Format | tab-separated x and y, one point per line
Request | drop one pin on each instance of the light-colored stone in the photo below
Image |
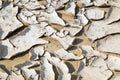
100	2
47	72
75	23
73	30
28	38
3	74
8	20
27	17
63	54
49	31
110	44
117	78
62	33
36	52
95	13
71	7
113	63
86	2
0	3
66	42
97	71
99	29
81	16
89	52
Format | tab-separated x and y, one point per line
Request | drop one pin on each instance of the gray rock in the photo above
110	44
100	2
8	20
95	13
99	29
63	54
113	63
117	78
86	2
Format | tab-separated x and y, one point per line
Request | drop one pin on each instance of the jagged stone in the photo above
8	20
110	44
86	2
101	2
49	31
66	42
99	29
36	52
95	13
113	63
0	3
63	54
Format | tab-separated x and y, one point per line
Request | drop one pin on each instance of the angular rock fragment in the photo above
47	72
8	20
113	63
71	7
73	30
62	33
15	76
49	31
100	2
36	52
95	14
3	74
86	2
98	67
29	74
117	78
0	3
89	52
75	23
99	29
27	17
81	16
51	17
110	44
66	42
28	38
63	54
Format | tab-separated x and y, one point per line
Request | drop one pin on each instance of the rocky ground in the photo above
59	39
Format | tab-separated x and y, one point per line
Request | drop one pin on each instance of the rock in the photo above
8	20
0	3
113	15
81	16
75	23
36	52
86	2
29	74
63	54
3	74
28	38
49	31
15	76
99	29
117	78
73	30
113	63
66	42
110	44
47	72
114	3
95	13
27	17
98	67
51	17
100	2
71	7
89	52
62	33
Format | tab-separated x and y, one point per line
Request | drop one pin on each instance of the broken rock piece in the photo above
3	74
66	42
117	78
0	3
36	52
110	44
86	2
63	54
99	29
101	2
113	63
8	20
28	38
95	14
47	72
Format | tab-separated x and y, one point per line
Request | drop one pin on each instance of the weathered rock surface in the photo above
110	44
95	14
8	20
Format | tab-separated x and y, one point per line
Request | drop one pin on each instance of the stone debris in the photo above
98	67
63	54
3	74
36	52
110	44
117	78
0	3
66	42
101	2
86	2
99	29
95	14
8	20
113	63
